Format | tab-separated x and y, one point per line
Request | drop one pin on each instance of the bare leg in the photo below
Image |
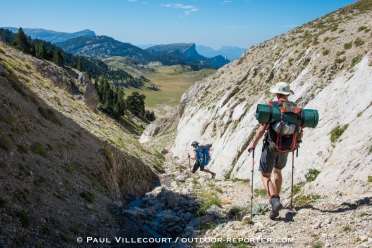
270	189
277	181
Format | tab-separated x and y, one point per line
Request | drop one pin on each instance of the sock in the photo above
274	196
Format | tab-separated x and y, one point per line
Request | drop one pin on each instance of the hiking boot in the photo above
276	206
213	175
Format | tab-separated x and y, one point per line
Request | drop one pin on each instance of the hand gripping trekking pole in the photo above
252	169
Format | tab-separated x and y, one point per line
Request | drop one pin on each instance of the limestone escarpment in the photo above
328	63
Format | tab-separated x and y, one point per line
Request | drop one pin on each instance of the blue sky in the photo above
212	23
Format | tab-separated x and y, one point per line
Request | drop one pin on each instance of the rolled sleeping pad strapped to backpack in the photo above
309	117
266	113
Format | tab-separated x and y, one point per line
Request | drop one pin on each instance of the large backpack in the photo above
203	154
285	134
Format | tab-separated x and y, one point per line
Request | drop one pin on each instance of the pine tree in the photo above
136	103
41	51
150	115
20	42
79	66
49	54
58	58
32	50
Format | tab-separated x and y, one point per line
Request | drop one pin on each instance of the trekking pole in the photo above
252	169
292	176
189	161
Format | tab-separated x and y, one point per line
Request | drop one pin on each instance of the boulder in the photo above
87	88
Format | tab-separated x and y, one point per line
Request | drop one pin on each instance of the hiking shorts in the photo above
270	158
196	167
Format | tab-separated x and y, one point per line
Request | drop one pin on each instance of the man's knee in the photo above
266	175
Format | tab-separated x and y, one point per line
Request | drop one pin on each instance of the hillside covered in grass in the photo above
66	168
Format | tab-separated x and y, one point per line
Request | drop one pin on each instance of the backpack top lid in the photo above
205	146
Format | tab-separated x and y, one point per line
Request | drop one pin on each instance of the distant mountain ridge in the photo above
103	47
170	54
231	52
187	50
87	43
50	35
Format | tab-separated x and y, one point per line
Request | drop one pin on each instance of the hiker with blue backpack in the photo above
201	156
281	137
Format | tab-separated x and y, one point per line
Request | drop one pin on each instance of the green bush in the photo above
290	60
325	52
24	218
208	198
37	148
346	228
260	192
311	175
297	188
45	229
11	120
4	142
89	197
356	60
304	201
348	45
337	132
358	42
241	180
361	28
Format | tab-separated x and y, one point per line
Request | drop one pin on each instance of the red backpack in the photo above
286	134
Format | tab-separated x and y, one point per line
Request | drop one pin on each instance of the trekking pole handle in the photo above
252	159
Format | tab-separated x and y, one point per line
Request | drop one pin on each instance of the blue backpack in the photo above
202	152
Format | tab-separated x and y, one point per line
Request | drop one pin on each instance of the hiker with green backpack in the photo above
281	137
201	155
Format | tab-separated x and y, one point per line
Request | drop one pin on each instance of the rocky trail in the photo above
196	211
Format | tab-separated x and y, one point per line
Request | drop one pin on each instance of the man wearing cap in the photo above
197	164
271	159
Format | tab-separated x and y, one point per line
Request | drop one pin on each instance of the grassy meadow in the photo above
172	82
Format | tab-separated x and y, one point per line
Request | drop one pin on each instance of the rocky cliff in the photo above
328	63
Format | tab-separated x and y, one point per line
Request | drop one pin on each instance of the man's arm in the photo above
257	137
193	155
